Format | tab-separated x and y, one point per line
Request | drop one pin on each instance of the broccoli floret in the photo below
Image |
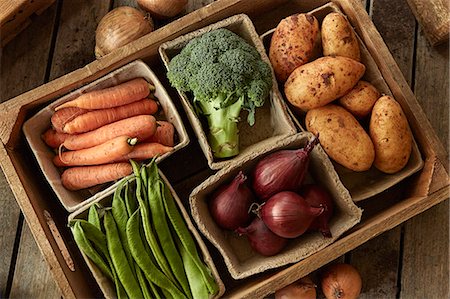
225	74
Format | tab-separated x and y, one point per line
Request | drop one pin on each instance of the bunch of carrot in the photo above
97	133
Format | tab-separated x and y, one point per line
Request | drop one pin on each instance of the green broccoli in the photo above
224	74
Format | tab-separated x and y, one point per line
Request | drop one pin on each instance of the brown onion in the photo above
282	171
119	27
341	281
288	214
163	9
261	239
304	288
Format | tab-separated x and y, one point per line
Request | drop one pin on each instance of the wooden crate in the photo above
15	15
407	199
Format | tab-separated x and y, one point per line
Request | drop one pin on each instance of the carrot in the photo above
82	177
100	154
53	139
63	116
125	93
144	151
141	127
164	134
96	118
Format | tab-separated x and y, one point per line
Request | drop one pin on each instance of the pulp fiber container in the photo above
106	285
240	259
361	185
272	121
39	123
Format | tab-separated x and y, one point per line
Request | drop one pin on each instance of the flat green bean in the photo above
155	190
93	216
147	224
130	202
187	241
119	259
143	283
143	260
85	246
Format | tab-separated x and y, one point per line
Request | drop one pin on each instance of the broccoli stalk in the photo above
225	75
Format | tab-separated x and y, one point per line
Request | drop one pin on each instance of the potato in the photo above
341	136
321	81
293	44
391	135
338	37
360	100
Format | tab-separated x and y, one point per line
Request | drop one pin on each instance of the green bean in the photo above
162	229
85	246
119	258
130	202
187	241
143	283
143	260
148	231
198	287
93	216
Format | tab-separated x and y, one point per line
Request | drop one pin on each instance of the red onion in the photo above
230	204
261	239
282	171
288	214
317	196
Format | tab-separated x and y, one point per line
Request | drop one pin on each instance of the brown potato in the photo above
321	81
360	100
391	135
338	37
341	136
293	44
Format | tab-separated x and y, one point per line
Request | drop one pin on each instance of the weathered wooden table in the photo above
410	261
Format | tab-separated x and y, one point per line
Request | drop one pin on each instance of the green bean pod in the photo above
143	283
93	217
85	246
143	260
187	241
119	259
155	190
148	231
130	202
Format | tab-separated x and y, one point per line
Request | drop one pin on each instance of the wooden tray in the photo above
381	213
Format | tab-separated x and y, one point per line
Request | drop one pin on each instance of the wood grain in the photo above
32	278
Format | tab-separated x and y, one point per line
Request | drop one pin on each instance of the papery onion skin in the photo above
341	281
317	196
119	27
304	288
163	9
287	214
284	170
261	239
230	204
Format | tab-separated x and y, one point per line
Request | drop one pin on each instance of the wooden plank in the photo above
426	247
75	41
378	259
434	17
32	277
9	213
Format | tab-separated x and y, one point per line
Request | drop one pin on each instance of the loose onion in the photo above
317	196
341	281
304	288
163	9
119	27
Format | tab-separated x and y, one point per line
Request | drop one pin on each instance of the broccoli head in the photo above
225	74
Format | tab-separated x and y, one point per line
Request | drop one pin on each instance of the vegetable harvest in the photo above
224	74
142	244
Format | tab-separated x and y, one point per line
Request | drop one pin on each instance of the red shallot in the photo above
287	214
317	196
282	171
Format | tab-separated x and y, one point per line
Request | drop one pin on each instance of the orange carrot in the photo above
141	127
96	118
53	139
125	93
144	151
99	154
63	116
82	177
164	134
